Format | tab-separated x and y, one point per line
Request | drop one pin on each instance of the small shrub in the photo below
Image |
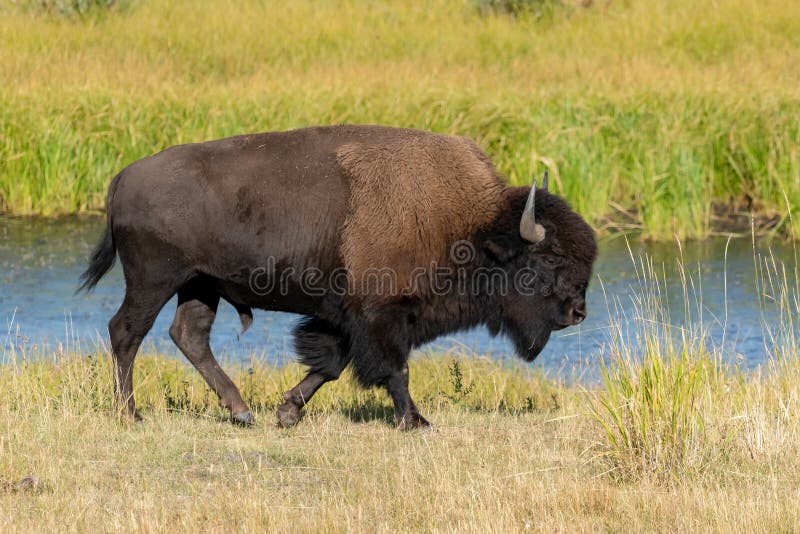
73	8
460	390
537	9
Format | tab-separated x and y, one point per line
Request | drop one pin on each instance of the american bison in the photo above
382	238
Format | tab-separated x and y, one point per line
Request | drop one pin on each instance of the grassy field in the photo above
670	117
512	451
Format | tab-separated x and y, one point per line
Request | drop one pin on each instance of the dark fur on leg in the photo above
321	347
388	367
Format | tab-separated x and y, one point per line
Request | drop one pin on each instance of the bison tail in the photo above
104	254
101	262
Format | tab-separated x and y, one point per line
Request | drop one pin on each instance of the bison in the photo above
381	238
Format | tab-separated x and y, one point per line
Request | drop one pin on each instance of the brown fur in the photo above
412	196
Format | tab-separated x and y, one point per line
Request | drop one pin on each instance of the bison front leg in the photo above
378	360
406	413
289	412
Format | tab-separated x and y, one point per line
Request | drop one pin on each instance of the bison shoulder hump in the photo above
411	196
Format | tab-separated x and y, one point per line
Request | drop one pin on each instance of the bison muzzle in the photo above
382	238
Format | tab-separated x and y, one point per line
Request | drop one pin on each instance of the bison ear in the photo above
500	250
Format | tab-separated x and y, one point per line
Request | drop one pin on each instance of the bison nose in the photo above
579	313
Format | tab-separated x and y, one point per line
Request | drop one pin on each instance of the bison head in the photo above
547	251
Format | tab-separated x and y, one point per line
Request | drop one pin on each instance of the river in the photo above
40	261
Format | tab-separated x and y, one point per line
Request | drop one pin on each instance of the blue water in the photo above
40	262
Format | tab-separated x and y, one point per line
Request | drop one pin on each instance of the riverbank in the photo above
675	129
513	450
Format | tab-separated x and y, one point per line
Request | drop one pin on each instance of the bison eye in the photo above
551	261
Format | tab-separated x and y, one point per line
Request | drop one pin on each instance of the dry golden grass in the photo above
497	461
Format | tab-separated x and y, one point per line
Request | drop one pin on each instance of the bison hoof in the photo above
414	421
288	415
243	419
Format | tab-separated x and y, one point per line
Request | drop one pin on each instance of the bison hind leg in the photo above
191	330
321	347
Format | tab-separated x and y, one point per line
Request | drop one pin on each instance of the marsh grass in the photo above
669	118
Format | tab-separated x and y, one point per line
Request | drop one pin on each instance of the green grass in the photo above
664	117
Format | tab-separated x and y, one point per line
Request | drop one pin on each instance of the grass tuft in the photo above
672	406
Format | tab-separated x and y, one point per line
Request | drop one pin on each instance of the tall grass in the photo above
667	117
673	405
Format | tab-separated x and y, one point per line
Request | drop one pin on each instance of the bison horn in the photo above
528	229
544	182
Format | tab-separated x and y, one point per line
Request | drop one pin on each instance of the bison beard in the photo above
201	220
